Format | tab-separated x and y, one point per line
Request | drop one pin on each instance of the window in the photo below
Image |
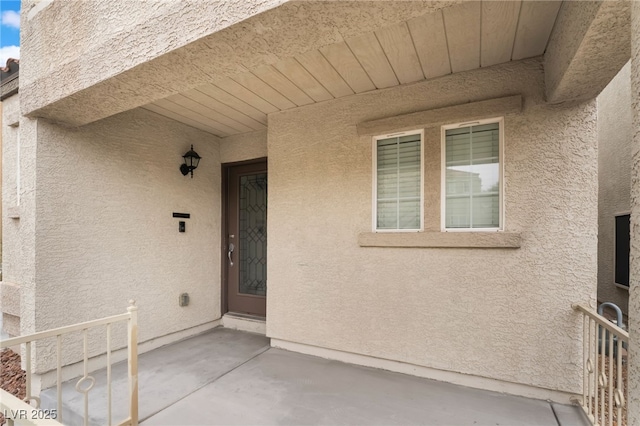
622	245
398	182
472	182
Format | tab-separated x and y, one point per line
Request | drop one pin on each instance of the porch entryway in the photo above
225	377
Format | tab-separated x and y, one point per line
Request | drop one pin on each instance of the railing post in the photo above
86	382
603	392
133	361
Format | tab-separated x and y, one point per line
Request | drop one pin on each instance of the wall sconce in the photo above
191	160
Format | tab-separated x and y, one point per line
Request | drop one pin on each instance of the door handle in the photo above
230	252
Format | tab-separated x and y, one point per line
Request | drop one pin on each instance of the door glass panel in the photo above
253	234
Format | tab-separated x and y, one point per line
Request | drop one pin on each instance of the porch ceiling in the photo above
459	38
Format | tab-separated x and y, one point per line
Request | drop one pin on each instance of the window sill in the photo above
510	240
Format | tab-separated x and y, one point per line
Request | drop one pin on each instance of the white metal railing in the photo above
604	388
86	382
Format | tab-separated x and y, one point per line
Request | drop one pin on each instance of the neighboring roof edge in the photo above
7	68
9	78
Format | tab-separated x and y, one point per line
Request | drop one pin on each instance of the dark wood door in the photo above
246	286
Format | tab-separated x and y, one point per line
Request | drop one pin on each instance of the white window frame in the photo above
443	174
375	139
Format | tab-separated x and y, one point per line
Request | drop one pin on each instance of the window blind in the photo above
398	182
472	177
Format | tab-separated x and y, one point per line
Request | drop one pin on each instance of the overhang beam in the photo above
590	43
282	32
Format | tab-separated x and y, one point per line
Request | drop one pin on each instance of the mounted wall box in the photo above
181	226
183	300
13	212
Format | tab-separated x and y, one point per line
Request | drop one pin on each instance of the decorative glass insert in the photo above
253	234
472	180
398	183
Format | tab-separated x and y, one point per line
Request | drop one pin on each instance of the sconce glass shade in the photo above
191	161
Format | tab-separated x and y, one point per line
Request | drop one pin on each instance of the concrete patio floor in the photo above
226	377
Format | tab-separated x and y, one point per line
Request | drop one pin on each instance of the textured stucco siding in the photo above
10	298
614	178
105	232
498	313
589	44
634	293
246	146
0	174
18	215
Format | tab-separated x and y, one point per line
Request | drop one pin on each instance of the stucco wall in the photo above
498	313
105	232
18	215
614	178
10	136
634	293
589	44
246	146
0	175
10	298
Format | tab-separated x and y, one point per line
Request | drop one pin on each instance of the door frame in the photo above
226	167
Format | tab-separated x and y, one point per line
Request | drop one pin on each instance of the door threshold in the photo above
245	322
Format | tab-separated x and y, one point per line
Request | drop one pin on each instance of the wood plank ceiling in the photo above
460	38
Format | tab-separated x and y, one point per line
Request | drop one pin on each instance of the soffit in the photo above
459	38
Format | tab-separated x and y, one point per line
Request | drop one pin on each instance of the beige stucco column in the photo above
634	291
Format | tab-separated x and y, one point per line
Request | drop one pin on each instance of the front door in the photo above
246	233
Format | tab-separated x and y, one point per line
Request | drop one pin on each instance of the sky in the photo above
9	30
